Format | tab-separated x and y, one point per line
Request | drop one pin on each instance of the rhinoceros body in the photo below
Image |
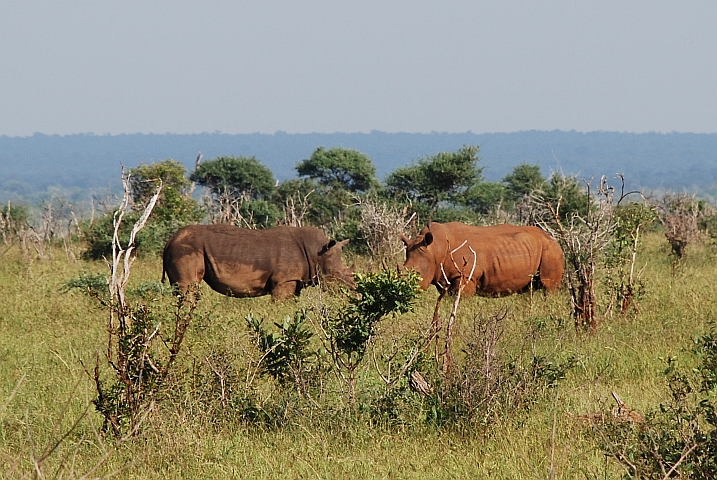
507	258
241	262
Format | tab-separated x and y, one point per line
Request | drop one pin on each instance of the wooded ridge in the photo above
87	162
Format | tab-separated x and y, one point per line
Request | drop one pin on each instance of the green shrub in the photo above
149	241
286	356
351	328
679	437
260	213
13	218
379	294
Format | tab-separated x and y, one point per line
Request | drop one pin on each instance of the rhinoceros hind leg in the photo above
551	269
283	291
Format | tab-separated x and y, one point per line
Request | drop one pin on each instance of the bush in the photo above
487	383
349	330
259	214
151	240
286	356
98	235
678	439
13	219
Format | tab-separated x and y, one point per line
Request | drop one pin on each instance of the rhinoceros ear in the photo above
428	238
332	244
327	247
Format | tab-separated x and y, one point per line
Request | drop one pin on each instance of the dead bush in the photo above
679	214
382	225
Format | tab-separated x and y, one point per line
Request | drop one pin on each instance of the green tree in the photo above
296	188
482	197
303	200
241	189
143	179
175	202
341	168
259	213
239	177
570	193
339	176
523	180
175	209
440	178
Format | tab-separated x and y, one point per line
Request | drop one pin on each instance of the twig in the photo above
681	459
14	391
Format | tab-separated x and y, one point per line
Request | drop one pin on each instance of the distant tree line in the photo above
36	167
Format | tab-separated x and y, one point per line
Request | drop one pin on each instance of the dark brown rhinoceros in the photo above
508	258
240	262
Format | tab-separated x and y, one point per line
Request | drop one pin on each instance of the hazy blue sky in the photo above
355	66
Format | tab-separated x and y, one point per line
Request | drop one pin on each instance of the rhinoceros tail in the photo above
164	264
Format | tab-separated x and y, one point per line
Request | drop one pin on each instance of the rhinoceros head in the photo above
419	257
332	265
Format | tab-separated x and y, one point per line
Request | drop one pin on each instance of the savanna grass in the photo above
201	425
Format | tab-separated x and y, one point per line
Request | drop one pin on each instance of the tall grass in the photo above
48	337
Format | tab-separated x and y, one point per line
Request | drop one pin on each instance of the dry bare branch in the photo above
382	226
679	214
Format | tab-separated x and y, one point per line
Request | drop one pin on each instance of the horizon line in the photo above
371	132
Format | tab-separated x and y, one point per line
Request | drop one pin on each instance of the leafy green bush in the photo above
349	330
174	209
98	235
286	356
150	240
260	213
380	294
93	285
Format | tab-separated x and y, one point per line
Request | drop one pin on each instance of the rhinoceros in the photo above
241	262
508	258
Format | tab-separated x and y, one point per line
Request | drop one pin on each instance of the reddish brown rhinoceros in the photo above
507	258
240	262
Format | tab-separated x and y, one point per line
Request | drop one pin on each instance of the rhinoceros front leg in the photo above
285	290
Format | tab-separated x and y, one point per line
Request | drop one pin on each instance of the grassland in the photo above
49	337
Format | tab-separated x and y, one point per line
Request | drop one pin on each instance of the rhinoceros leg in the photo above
282	291
184	270
551	268
469	289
